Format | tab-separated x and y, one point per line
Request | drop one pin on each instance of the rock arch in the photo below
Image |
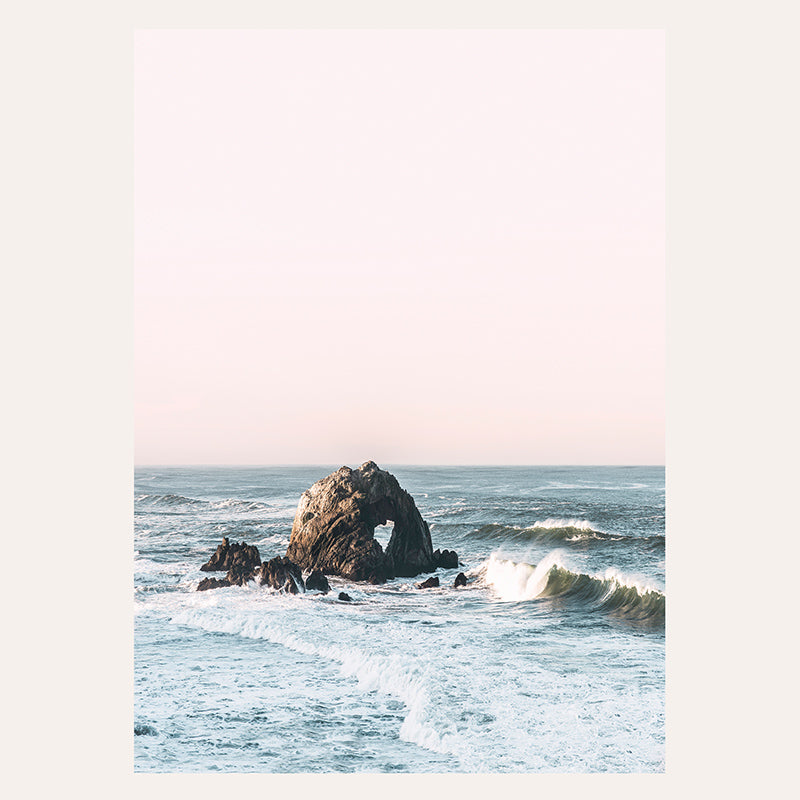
334	527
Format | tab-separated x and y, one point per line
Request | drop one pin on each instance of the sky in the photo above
410	246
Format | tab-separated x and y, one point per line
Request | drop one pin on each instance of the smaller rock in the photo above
447	559
344	596
428	584
227	555
212	583
461	580
239	574
317	580
282	574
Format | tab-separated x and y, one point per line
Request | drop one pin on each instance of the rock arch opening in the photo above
380	517
382	534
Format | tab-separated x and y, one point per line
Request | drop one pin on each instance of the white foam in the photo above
514	581
506	716
578	524
147	566
642	585
398	676
237	504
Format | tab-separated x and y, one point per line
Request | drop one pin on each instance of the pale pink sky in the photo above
407	246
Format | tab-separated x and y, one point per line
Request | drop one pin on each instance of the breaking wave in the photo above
166	500
176	500
612	592
558	530
235	504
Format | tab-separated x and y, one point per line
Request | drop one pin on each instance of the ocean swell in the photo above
166	500
177	501
612	592
559	530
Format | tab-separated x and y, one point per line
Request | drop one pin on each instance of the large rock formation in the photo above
333	534
334	527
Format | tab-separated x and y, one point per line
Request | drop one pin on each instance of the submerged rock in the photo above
317	580
461	580
334	527
212	583
428	584
282	574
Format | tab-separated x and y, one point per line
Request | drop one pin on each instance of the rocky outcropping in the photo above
240	559
447	559
461	580
317	580
334	534
334	527
240	555
243	564
212	583
282	574
428	584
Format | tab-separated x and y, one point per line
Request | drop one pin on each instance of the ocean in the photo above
550	660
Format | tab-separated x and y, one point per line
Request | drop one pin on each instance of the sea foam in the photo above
398	676
519	581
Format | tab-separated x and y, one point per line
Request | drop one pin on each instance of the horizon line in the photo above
390	463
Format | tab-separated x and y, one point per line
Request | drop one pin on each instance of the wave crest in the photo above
173	500
166	500
613	592
560	530
236	504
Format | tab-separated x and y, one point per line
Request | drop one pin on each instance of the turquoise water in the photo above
550	660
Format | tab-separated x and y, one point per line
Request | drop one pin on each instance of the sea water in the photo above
551	659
